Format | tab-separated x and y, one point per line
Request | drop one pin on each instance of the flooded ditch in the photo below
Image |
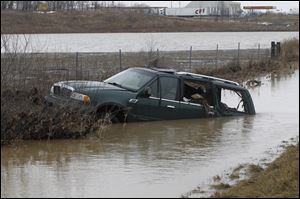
155	159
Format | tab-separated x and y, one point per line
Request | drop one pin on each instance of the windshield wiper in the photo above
115	84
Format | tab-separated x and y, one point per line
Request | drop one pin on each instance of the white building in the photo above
221	8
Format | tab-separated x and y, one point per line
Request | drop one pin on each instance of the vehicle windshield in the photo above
131	79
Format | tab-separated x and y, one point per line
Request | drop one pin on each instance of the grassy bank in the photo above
279	180
105	21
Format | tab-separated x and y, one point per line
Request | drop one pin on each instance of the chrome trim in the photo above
61	84
179	102
154	98
169	106
196	104
189	103
133	101
167	100
52	90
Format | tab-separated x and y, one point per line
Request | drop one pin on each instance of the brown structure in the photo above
252	8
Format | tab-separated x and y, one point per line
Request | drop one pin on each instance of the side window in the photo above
198	92
154	89
169	87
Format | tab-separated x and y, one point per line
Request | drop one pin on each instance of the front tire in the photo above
111	114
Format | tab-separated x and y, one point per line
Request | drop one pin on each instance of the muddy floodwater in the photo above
154	159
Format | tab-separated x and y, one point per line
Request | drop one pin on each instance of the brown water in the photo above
154	159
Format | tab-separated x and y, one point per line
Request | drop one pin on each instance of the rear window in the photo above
231	100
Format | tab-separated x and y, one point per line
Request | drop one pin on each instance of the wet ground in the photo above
154	159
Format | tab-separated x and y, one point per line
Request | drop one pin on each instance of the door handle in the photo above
169	106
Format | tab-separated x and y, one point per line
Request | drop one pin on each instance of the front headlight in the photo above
78	96
86	99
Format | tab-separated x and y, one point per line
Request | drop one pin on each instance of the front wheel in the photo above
111	114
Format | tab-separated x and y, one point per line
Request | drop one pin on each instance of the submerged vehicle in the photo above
143	94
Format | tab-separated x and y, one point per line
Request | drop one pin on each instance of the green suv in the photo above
142	94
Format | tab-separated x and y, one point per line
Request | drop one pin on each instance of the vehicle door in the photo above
169	97
190	106
146	105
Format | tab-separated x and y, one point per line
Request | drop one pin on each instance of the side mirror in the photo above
147	92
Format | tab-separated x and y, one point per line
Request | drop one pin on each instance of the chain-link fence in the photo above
42	69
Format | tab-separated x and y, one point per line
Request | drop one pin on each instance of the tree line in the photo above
62	5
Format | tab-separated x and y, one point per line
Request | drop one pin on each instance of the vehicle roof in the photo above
194	76
215	80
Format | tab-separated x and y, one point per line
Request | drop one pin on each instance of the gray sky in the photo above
281	5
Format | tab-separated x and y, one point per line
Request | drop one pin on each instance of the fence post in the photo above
217	55
67	74
157	57
278	49
258	53
273	46
239	53
76	65
120	57
81	73
190	61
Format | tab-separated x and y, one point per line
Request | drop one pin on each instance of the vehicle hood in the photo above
86	85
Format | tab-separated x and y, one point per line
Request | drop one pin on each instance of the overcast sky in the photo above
281	5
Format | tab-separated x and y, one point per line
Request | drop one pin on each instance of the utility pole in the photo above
171	4
222	10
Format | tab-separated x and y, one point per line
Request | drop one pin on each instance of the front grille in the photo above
62	91
56	90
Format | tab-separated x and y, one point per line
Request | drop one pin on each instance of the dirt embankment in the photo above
105	21
279	180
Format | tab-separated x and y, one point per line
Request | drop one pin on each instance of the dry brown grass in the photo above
279	180
25	79
123	21
278	19
221	186
287	62
25	116
290	50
